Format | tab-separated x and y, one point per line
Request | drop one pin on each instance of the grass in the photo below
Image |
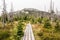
42	33
36	29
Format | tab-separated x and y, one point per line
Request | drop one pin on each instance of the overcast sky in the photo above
38	4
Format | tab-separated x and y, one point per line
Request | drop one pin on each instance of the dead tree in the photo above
4	14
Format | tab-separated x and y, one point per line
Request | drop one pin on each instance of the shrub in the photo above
47	24
4	35
20	32
57	27
33	21
40	34
40	20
